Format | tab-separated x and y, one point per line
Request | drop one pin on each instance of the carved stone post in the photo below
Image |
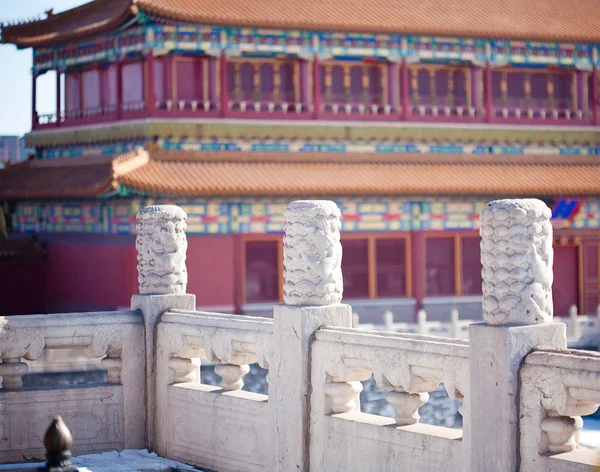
312	256
517	256
162	275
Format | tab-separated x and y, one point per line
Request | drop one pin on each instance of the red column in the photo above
595	97
404	98
417	244
151	98
316	89
223	80
488	93
81	95
119	90
34	118
58	96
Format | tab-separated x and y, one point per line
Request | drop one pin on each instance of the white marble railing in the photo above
102	417
558	386
193	419
454	328
410	366
522	391
583	331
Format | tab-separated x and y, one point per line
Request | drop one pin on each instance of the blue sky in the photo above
15	69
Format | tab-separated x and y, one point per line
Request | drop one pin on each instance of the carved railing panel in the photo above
411	366
558	386
232	342
104	417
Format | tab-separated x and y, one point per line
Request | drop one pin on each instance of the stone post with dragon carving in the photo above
517	258
161	246
312	258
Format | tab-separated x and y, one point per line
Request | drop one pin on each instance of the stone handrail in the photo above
101	334
410	365
231	341
558	386
108	416
521	403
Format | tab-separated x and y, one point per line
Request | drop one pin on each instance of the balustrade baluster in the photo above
406	405
343	396
232	375
12	372
183	370
113	365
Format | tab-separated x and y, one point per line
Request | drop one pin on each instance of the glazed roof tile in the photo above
540	20
67	178
196	174
86	20
562	20
176	174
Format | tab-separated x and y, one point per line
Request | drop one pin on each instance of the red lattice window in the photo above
391	267
439	266
355	268
262	271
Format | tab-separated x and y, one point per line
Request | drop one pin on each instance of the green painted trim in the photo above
140	131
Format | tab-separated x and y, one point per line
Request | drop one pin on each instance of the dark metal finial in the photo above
58	442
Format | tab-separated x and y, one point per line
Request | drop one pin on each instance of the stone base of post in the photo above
289	372
495	356
152	306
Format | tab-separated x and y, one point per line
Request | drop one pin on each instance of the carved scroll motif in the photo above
14	345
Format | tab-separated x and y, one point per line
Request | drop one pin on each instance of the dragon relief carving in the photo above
161	246
517	258
312	253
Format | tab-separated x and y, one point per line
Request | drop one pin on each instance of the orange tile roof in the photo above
314	175
67	178
517	19
194	174
545	20
86	20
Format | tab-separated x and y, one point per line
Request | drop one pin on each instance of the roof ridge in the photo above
129	161
368	158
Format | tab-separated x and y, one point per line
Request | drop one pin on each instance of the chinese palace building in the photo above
411	116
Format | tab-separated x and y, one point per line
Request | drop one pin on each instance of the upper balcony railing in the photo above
333	90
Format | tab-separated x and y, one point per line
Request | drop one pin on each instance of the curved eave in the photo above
87	20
